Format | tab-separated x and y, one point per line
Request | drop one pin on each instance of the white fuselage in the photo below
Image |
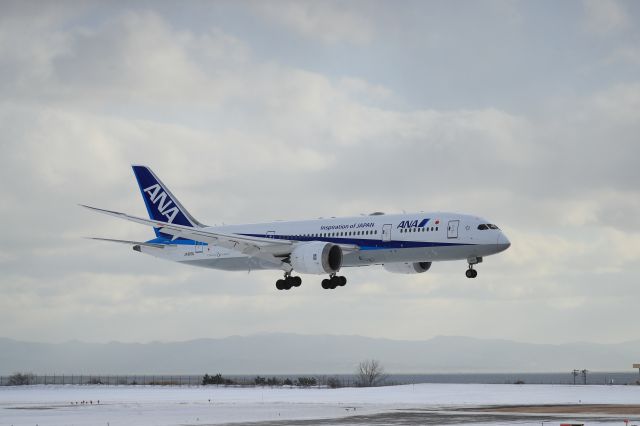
381	238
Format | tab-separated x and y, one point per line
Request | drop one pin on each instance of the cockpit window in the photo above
485	226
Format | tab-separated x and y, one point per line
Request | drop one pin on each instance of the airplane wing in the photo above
251	246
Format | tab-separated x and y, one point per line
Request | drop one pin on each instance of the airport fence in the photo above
336	380
177	380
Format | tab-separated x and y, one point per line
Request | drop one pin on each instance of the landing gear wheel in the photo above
296	281
342	281
280	284
333	283
326	284
471	273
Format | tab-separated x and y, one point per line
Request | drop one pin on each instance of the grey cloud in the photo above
242	133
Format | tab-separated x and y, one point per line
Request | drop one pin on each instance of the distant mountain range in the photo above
312	354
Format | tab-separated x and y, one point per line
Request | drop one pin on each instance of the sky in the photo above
526	113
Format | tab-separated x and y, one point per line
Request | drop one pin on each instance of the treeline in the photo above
218	379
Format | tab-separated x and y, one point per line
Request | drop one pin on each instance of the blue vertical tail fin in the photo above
161	204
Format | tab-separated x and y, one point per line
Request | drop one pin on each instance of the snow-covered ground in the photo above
167	405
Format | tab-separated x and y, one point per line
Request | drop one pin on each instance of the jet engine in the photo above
407	267
316	257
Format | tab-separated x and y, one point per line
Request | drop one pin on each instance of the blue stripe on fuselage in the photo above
363	243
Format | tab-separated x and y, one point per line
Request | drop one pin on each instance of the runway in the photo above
424	404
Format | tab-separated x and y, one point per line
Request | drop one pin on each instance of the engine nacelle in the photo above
407	268
316	257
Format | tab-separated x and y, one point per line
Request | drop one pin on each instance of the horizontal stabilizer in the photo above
133	243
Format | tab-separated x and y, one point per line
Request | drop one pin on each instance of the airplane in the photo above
401	243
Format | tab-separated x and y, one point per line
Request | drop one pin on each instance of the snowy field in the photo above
166	405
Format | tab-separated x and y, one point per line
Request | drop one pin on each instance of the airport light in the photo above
575	374
584	375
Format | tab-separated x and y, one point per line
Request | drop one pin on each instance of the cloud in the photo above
605	16
329	22
625	54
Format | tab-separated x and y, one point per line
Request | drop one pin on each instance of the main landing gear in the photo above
288	282
333	282
472	273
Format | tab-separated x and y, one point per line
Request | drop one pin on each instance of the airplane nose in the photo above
503	242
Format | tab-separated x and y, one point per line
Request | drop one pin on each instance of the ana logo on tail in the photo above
164	203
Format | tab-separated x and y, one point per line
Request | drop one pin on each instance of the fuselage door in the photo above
386	232
198	247
271	234
452	229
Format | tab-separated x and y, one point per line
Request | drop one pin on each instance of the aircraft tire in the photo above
326	284
296	281
334	282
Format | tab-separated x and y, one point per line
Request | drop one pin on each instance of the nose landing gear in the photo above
472	273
